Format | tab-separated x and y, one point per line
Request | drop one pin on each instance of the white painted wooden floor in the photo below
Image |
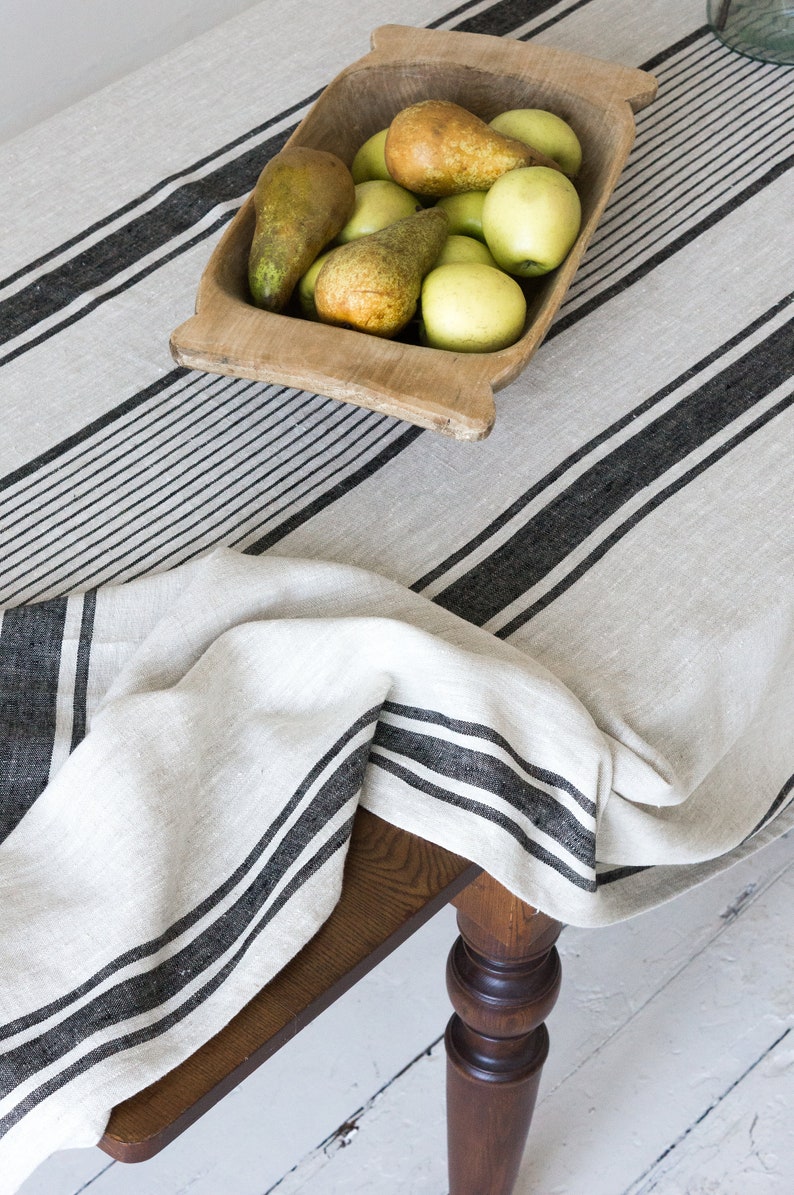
672	1071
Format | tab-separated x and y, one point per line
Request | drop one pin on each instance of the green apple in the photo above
468	307
531	218
306	284
461	248
545	131
379	202
370	159
465	213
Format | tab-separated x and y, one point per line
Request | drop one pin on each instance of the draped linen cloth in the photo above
233	611
240	709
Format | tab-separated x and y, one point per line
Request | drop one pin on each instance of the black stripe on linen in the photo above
590	445
91	429
332	846
79	707
569	518
505	16
737	198
245	484
156	945
775	807
239	923
30	658
142	235
656	60
648	508
175	544
687	167
163	427
480	731
487	813
619	873
456	12
491	775
111	292
153	190
536	29
154	496
342	487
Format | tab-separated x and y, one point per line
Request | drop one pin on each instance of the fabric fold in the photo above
239	711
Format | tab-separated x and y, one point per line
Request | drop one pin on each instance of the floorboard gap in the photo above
343	1135
634	1189
744	901
99	1174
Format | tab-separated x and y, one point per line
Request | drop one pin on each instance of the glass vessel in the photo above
761	29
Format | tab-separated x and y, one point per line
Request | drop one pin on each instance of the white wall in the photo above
53	52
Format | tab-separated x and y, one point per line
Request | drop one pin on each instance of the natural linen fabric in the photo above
195	839
564	652
203	822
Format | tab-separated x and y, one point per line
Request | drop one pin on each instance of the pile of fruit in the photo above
439	215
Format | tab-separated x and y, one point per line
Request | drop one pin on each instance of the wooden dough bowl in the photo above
448	392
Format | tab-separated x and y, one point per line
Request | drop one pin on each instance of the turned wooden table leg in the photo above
503	977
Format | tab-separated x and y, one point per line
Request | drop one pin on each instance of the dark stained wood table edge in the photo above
394	883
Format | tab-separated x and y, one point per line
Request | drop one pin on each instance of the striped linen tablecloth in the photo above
234	611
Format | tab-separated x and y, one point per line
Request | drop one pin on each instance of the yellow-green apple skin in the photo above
545	131
306	286
531	218
378	203
465	213
369	161
463	248
468	307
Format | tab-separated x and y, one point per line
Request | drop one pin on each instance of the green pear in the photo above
461	248
370	161
438	148
531	218
379	202
302	198
465	213
373	284
306	286
545	131
468	307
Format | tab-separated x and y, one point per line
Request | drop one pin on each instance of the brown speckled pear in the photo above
302	198
438	148
373	284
